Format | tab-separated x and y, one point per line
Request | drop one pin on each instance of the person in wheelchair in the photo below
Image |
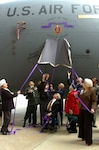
52	110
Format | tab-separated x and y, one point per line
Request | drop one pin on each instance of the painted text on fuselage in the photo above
53	9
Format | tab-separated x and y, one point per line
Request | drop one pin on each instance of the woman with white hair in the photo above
88	98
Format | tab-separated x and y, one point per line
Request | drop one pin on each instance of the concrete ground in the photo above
30	138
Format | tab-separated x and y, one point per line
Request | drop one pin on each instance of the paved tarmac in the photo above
30	138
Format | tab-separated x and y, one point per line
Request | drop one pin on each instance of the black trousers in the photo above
72	125
6	120
61	110
42	111
31	110
85	126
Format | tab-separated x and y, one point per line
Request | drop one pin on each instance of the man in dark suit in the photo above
60	90
7	105
53	108
31	94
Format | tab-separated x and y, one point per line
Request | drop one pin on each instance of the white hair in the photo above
80	79
58	96
61	85
88	82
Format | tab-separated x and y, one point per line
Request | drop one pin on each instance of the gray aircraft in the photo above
25	25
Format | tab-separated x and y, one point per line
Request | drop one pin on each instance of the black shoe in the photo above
4	132
34	125
24	124
94	126
71	131
53	129
8	131
89	144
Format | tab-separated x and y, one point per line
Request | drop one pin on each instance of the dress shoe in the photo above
89	144
4	132
94	126
34	125
53	129
24	124
72	131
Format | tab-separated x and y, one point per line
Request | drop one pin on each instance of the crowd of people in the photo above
80	104
80	107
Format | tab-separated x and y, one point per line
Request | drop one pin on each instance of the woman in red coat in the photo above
72	109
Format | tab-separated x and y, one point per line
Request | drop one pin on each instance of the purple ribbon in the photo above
72	75
53	74
73	72
28	76
40	70
82	102
13	117
13	132
46	119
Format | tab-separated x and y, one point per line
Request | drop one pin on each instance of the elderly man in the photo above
53	108
7	105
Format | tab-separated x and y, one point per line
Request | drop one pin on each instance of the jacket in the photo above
55	108
71	102
89	99
7	99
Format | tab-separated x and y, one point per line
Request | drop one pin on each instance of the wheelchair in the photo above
47	124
